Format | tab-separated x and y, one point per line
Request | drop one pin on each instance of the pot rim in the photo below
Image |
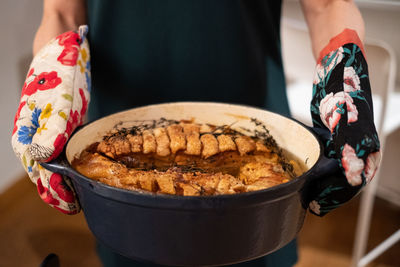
149	199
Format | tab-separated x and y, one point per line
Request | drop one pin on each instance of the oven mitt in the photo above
53	103
342	103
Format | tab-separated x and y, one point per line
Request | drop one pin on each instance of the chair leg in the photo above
382	247
365	212
364	220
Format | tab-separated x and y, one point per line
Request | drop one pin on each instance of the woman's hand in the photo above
342	103
53	103
341	99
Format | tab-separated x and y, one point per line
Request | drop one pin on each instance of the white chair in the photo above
299	66
382	68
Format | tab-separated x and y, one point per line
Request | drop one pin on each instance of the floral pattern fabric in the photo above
342	103
54	101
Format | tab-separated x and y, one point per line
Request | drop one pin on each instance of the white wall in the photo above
18	22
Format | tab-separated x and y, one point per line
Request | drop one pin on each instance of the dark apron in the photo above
155	51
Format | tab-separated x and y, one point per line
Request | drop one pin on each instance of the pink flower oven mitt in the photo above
53	103
342	104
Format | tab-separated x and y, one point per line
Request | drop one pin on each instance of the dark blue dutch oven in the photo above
204	230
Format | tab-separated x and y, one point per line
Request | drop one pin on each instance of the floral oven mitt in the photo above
342	103
53	103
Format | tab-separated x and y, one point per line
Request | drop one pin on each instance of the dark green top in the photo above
153	51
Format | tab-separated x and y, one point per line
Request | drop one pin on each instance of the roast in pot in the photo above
188	159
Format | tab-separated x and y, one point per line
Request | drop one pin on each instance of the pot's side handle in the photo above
325	166
326	183
59	165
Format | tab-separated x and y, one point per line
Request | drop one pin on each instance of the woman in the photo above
145	52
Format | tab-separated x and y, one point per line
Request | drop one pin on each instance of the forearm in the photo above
59	16
328	18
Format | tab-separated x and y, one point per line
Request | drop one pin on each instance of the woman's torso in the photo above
145	52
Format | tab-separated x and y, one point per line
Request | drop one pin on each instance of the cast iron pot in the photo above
201	230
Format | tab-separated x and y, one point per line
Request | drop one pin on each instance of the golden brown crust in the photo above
252	176
149	142
251	172
189	128
136	142
263	183
226	143
121	145
162	141
261	147
147	181
229	185
165	182
188	189
177	138
106	148
130	179
210	145
193	144
183	159
193	139
245	144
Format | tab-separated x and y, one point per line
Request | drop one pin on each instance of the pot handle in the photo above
325	166
326	182
60	165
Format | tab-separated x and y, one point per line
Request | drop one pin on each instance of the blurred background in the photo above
30	230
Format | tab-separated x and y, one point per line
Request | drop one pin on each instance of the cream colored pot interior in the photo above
289	135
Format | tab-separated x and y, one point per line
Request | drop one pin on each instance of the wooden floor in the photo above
30	230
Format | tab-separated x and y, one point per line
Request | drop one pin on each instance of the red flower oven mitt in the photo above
54	101
342	104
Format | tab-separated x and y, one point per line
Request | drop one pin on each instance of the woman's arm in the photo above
328	18
59	16
341	101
